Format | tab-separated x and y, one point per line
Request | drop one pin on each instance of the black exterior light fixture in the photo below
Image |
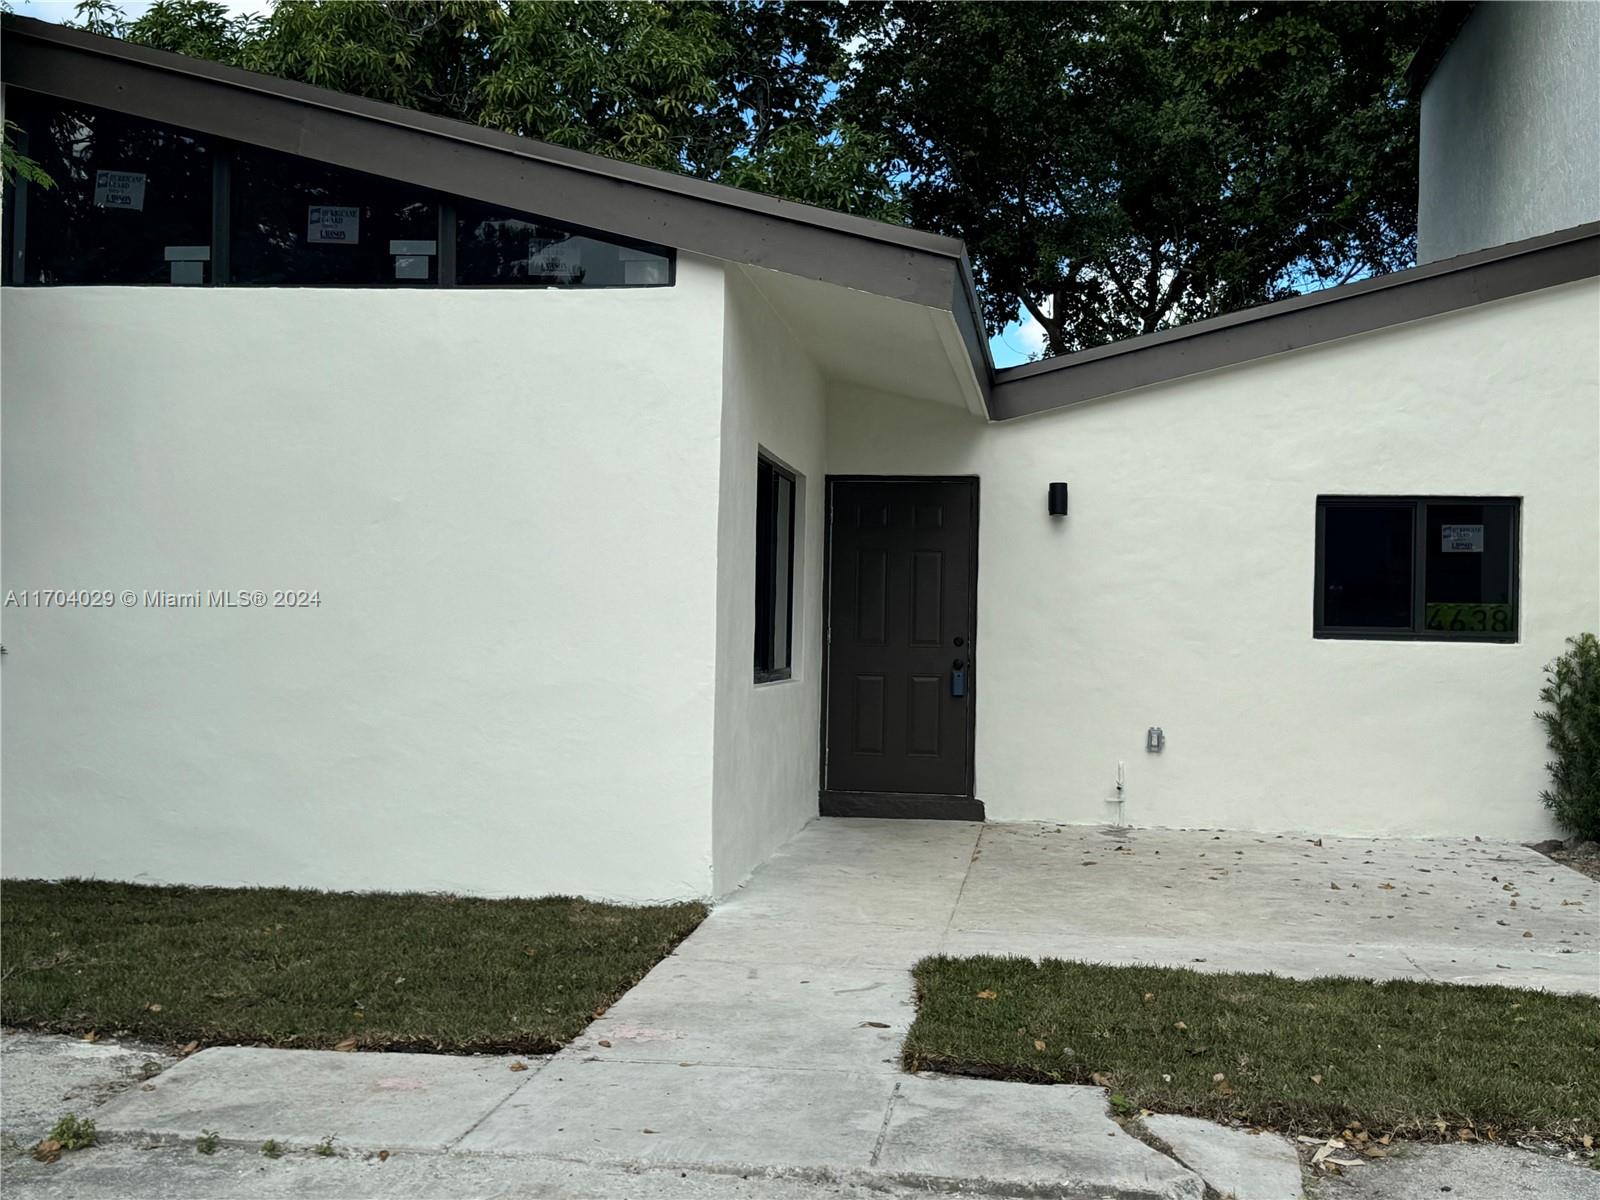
1058	499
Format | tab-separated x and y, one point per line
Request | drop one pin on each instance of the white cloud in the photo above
1022	340
1032	336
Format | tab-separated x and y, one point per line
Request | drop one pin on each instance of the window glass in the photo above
298	223
782	590
499	246
1439	568
775	502
132	201
134	204
1366	566
1468	551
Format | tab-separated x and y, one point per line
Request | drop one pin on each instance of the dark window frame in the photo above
23	107
771	540
1418	632
599	235
252	267
27	110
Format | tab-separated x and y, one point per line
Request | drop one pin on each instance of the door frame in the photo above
964	806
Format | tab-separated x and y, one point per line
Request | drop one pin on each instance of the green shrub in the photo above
1572	722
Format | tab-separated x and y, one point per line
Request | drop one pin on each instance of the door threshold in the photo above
899	804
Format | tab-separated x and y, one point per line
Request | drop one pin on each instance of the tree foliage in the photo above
15	165
1122	167
730	91
1114	168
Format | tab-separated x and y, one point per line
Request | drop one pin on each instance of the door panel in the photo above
869	715
902	556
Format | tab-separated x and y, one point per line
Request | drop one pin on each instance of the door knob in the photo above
958	664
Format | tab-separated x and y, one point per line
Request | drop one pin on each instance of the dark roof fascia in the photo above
450	156
1301	321
1448	18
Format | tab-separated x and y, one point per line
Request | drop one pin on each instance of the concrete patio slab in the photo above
1574	973
1037	1140
756	1014
1381	908
247	1094
721	1118
1196	953
1235	1163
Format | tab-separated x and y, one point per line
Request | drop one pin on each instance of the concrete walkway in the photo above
767	1045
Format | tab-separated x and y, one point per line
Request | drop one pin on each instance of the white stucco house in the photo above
392	503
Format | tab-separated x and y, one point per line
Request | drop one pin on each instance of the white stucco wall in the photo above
1509	120
507	501
1178	592
767	741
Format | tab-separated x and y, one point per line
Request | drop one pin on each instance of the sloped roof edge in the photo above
739	226
1300	321
451	156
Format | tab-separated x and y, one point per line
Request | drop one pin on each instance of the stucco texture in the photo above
767	734
1508	136
506	502
1178	592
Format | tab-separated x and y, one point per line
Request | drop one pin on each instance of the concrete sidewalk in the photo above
767	1045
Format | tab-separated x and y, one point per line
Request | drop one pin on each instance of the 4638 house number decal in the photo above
1469	618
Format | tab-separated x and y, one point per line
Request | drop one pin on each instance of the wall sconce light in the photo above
1058	499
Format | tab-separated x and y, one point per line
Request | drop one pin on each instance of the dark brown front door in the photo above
902	562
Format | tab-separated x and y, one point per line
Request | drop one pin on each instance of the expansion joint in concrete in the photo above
977	846
883	1130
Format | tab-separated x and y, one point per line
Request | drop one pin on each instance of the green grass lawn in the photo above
1305	1056
286	967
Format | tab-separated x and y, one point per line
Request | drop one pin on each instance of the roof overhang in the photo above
1301	321
819	268
905	265
871	342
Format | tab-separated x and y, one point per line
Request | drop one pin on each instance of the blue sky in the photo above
1019	342
61	10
